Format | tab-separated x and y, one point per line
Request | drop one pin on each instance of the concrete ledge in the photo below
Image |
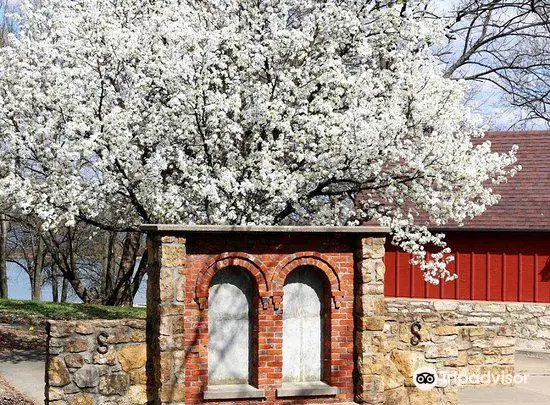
262	229
232	391
306	389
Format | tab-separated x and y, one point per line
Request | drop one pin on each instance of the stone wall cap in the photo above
164	228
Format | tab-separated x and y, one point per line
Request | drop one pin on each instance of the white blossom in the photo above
241	112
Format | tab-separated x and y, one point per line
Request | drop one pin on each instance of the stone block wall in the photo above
451	347
97	362
530	321
385	356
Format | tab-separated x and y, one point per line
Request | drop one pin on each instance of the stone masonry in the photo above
530	321
367	352
165	314
97	362
385	357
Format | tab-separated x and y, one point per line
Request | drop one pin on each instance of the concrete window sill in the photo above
306	389
232	391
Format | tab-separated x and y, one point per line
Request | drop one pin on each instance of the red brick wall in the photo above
269	258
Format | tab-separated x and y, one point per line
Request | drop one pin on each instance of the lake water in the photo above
19	287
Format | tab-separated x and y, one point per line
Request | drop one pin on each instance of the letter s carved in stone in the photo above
102	346
415	329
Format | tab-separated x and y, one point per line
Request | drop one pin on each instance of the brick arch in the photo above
246	261
314	259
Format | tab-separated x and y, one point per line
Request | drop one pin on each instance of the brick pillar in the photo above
369	320
165	316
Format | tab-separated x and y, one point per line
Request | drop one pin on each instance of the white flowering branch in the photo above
240	112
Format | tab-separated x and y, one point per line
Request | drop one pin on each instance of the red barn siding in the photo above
491	266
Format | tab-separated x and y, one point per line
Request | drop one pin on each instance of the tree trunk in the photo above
107	268
123	292
36	282
64	289
68	267
3	257
55	287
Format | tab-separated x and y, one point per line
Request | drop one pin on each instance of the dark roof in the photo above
525	202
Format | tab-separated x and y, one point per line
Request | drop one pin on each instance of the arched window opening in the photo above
303	325
306	334
232	341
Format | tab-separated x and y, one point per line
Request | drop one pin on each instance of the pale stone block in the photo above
503	341
180	288
82	399
465	307
515	307
137	394
508	350
363	342
58	375
55	394
445	305
535	308
478	320
450	395
85	328
498	321
431	397
375	323
173	255
114	384
391	376
446	330
371	364
373	289
521	315
407	361
491	351
380	270
481	343
509	359
369	305
489	307
543	333
397	396
371	390
531	344
87	377
382	343
436	351
460	361
132	357
373	248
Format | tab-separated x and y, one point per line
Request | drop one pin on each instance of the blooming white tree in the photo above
240	112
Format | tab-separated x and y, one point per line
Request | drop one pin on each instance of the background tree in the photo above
27	251
246	112
101	266
3	257
503	46
6	27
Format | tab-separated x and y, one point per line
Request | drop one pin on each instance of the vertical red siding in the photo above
492	266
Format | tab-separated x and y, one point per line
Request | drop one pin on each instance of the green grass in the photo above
37	311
